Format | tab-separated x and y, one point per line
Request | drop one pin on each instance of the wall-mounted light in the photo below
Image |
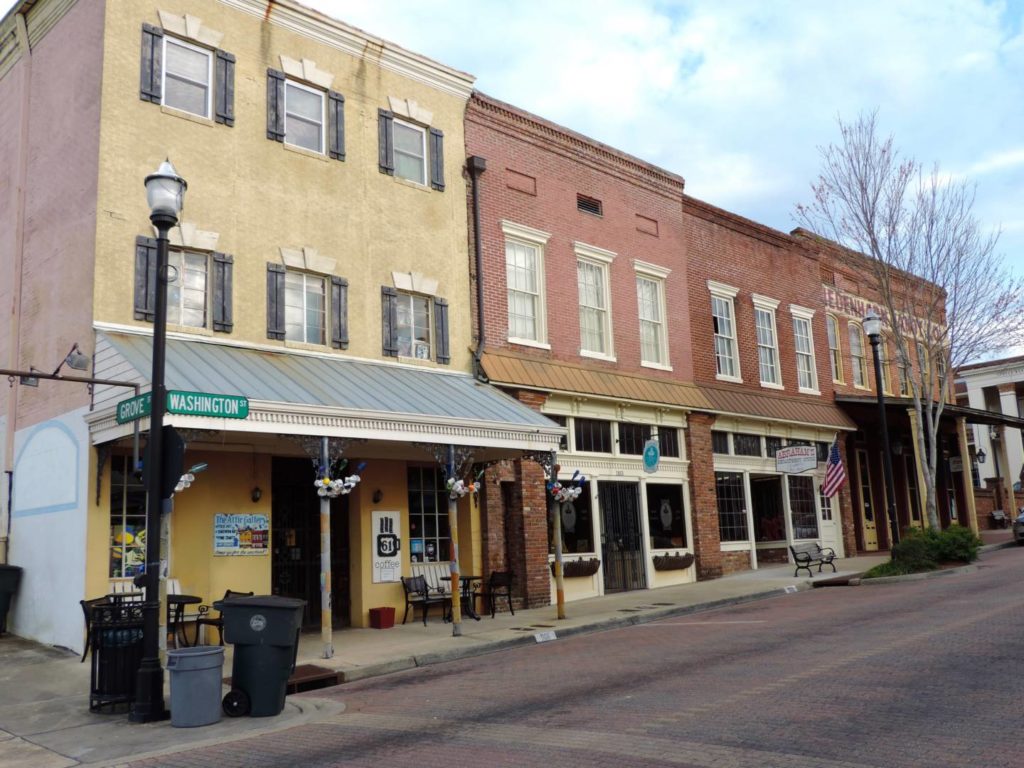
256	494
74	359
981	456
377	496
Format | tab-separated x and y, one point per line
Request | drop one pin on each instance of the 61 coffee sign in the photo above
186	404
796	458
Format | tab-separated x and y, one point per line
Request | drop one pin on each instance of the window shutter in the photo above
441	330
336	124
275	301
437	159
339	312
151	67
145	279
223	279
275	105
389	310
386	138
225	95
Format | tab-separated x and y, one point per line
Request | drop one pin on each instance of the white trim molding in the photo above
189	27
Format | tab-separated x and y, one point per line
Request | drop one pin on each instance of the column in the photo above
1014	449
967	482
919	467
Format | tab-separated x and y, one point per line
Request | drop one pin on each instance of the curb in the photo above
917	576
1000	545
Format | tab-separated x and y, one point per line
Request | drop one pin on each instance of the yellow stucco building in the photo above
319	275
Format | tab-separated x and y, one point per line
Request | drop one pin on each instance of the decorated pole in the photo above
326	623
453	533
554	509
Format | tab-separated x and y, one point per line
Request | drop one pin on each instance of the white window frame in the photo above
319	93
835	354
863	357
763	304
602	259
727	294
209	75
411	297
422	181
657	275
883	359
326	309
805	315
538	240
181	254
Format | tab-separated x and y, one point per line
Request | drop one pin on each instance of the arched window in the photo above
835	350
858	361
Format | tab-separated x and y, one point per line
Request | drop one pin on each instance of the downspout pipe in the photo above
477	165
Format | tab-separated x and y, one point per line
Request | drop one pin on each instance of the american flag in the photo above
835	474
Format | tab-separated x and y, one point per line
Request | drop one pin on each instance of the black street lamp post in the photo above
165	192
873	328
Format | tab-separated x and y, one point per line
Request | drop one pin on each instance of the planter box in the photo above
382	618
672	562
574	568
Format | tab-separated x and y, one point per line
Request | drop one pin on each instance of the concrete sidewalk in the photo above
44	713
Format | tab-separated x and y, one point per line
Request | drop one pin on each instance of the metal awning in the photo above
972	415
302	393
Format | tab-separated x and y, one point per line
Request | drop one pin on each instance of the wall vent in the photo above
589	205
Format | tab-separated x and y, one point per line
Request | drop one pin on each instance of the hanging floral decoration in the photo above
570	491
340	485
457	488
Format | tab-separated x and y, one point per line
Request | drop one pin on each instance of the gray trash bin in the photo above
195	685
265	632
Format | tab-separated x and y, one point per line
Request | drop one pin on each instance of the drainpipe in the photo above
477	165
14	331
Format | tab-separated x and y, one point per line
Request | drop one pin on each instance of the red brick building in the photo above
582	255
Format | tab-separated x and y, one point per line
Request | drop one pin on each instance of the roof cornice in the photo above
355	42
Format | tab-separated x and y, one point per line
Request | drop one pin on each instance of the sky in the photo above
738	96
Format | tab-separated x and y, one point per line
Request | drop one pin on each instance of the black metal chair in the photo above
499	585
417	592
87	606
207	620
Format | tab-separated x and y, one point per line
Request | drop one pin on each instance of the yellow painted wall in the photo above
224	488
259	195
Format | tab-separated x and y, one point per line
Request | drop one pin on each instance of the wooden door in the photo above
866	502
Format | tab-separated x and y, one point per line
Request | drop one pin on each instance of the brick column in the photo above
707	547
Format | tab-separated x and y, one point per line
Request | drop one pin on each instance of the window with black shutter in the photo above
339	312
441	352
410	151
389	320
145	278
275	301
185	76
223	288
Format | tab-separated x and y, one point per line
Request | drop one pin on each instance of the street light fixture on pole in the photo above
165	192
873	328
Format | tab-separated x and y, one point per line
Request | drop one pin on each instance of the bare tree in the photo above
946	296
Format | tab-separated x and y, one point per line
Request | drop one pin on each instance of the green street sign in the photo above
134	408
204	404
186	404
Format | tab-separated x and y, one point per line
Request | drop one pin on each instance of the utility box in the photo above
382	618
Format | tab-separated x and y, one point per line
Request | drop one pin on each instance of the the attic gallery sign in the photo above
186	404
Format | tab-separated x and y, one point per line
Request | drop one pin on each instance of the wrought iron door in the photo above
295	540
622	550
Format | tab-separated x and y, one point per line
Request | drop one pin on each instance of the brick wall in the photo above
535	170
704	500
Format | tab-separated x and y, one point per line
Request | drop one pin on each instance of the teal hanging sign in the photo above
652	456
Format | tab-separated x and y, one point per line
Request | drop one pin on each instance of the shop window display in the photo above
665	516
127	520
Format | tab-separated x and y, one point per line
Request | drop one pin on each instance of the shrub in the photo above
957	543
917	551
890	568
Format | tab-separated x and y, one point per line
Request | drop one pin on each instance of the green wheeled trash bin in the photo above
265	632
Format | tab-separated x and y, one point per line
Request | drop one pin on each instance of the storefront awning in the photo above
554	376
786	408
300	393
972	415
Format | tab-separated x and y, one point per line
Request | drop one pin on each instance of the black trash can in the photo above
265	632
10	577
115	631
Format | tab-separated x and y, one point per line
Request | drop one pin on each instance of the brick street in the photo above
916	674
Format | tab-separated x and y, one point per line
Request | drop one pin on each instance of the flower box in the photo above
674	562
574	568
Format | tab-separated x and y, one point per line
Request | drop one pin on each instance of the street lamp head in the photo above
873	326
165	192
